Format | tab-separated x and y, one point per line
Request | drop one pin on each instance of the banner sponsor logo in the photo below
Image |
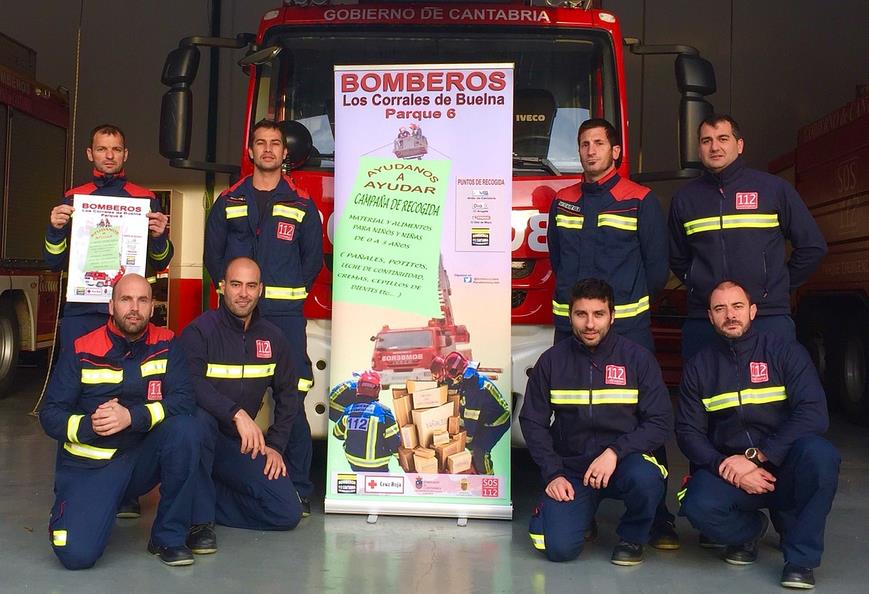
384	484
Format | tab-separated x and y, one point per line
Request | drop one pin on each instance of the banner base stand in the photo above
408	508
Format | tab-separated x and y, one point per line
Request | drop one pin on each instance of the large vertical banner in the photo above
420	395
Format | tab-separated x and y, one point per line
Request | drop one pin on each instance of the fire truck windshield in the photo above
399	339
561	78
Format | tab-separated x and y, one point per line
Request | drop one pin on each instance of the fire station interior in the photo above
779	66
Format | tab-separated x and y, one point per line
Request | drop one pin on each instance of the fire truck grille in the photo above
522	268
518	298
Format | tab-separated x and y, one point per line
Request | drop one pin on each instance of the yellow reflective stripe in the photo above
55	248
236	212
154	367
58	538
614	396
472	413
221	371
505	416
680	495
335	406
87	451
653	460
764	395
617	221
735	221
72	428
391	431
569	222
286	293
305	384
340	429
629	310
102	376
750	221
603	396
750	396
538	541
569	396
367	463
162	254
279	210
560	309
371	438
157	413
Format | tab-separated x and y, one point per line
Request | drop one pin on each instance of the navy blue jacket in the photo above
484	412
612	397
55	250
613	229
342	396
755	391
370	433
231	368
287	243
733	226
149	377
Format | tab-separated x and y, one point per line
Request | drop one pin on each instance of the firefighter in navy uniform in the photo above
368	428
751	417
267	218
611	410
234	356
108	154
119	402
345	393
484	413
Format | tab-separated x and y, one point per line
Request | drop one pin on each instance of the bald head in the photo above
131	305
241	288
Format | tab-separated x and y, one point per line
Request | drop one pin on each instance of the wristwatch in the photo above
751	454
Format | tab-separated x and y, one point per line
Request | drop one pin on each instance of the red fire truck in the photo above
830	168
568	67
33	141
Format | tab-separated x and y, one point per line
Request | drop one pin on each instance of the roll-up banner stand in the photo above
421	291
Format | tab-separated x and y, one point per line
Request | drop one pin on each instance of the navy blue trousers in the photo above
299	448
558	527
805	486
86	499
697	333
232	489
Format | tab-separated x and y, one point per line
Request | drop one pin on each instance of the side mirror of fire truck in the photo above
176	110
695	78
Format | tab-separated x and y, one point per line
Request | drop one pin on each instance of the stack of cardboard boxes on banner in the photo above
432	440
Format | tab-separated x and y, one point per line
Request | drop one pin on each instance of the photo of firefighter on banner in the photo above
419	406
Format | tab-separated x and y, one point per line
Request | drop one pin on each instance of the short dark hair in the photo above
612	135
715	119
268	125
593	288
109	129
727	283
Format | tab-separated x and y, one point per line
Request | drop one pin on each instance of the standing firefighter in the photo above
368	428
484	412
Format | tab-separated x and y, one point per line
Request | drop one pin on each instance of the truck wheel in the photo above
818	339
852	373
9	345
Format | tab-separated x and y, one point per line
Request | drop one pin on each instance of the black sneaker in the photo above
201	539
708	543
306	506
627	553
794	576
591	531
664	537
129	509
174	556
746	553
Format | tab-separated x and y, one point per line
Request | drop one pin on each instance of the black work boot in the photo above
201	539
129	509
746	553
174	556
627	553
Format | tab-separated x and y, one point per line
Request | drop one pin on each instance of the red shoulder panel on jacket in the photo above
570	193
137	191
234	186
625	189
302	193
158	334
87	188
95	342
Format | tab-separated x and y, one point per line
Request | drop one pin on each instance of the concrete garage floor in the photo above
345	554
